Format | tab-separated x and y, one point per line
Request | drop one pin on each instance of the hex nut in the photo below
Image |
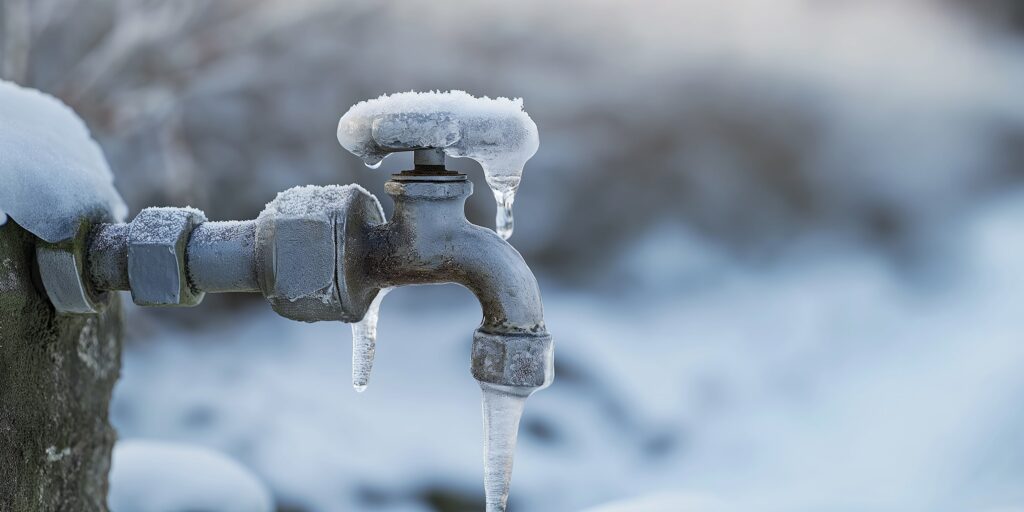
157	239
301	252
296	253
62	270
524	360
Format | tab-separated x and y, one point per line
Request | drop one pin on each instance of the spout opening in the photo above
521	361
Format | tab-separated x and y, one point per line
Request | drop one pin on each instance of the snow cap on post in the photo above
53	175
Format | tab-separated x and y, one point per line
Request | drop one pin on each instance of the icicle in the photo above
504	187
502	408
364	343
504	223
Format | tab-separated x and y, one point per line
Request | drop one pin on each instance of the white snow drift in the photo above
153	476
52	173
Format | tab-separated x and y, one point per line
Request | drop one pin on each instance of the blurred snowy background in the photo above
781	244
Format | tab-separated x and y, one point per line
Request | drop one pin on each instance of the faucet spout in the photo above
430	241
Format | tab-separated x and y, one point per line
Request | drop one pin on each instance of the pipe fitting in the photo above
107	261
62	270
310	252
306	253
221	257
157	273
521	360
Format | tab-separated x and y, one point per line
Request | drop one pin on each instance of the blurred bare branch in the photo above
17	39
138	24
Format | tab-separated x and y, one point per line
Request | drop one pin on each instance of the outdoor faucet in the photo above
321	253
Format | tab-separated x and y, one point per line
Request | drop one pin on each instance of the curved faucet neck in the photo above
429	241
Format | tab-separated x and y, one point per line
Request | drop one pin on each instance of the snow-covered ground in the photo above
831	381
154	476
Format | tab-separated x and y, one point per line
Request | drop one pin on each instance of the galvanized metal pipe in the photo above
107	265
221	257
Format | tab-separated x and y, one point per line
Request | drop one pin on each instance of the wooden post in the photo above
57	373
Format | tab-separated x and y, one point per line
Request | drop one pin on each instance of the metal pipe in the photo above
303	253
221	257
107	266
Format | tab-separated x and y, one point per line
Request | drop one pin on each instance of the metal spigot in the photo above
320	253
430	241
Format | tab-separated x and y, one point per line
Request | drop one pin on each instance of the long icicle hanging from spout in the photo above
364	343
502	409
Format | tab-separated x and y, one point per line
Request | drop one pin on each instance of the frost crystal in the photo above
310	199
52	173
497	133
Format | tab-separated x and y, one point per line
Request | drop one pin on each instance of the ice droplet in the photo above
502	409
364	343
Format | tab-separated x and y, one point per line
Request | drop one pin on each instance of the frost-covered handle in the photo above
497	133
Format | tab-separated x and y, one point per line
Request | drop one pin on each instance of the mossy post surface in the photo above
57	373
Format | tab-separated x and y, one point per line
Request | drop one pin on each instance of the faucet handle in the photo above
497	133
373	135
